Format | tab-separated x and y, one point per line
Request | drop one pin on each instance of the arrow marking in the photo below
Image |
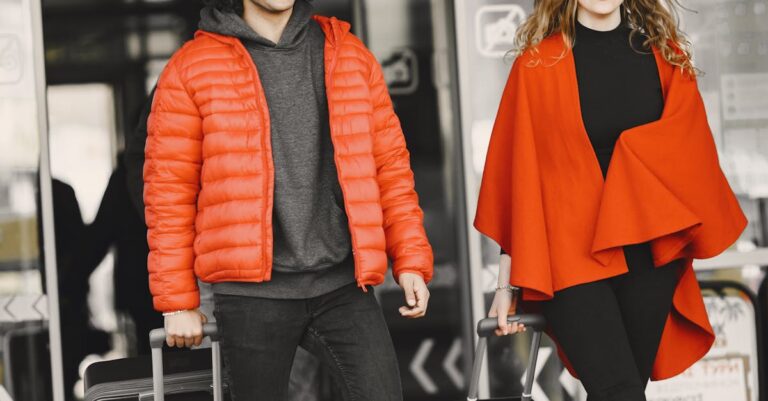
4	396
449	364
537	392
41	306
417	366
570	384
5	314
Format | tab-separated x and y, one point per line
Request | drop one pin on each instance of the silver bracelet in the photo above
508	287
176	312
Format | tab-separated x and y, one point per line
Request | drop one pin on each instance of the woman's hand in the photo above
505	304
185	329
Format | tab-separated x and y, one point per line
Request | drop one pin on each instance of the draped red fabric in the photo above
544	200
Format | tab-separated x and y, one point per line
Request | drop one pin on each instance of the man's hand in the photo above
185	329
416	295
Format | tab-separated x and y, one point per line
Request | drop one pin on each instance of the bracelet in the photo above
176	312
508	287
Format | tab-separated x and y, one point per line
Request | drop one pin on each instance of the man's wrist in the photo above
176	312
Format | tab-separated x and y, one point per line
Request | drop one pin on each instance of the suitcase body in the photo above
485	328
192	375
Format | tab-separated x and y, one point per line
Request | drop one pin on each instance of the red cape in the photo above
544	200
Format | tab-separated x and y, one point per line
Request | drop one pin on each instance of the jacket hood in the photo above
231	24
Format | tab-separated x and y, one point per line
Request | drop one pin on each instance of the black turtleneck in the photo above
619	85
619	88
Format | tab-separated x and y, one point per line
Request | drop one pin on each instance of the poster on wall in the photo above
18	110
729	370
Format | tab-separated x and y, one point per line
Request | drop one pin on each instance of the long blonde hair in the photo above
647	17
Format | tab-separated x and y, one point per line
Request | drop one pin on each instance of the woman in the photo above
605	254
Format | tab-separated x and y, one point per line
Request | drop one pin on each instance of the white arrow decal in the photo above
489	279
5	316
22	307
4	396
572	386
449	364
417	366
42	306
537	392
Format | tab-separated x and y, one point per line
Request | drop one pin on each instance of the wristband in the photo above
508	287
176	312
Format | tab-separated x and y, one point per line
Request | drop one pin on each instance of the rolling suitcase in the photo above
191	375
485	328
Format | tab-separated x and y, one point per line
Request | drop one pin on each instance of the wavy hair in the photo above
658	24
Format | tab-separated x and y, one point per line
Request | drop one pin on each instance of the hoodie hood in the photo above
230	24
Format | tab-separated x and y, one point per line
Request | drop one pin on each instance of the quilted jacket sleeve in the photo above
407	243
172	166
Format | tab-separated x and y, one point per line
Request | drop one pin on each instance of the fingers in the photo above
417	291
410	296
501	320
185	330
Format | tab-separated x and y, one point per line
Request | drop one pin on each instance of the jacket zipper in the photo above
265	140
328	86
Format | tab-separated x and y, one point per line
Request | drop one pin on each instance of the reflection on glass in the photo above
23	307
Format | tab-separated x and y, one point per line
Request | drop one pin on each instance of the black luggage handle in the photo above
486	328
156	340
157	336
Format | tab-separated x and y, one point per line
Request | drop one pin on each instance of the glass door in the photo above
29	319
413	41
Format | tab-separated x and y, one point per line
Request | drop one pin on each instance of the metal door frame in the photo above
46	200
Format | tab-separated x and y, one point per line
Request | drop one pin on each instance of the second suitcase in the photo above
485	328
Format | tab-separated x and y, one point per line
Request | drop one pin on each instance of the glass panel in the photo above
23	305
81	137
485	30
409	38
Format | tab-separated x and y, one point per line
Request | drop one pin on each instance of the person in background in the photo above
276	169
77	334
118	223
601	185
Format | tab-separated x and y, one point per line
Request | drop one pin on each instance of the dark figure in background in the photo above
77	336
118	223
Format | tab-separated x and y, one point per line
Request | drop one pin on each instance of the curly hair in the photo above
658	22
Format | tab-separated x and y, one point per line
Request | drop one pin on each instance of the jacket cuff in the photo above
174	302
417	264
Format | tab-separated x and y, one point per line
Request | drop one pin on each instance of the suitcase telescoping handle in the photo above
485	328
156	340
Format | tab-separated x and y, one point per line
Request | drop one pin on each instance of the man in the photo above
275	168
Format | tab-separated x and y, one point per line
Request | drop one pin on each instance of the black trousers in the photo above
610	329
345	329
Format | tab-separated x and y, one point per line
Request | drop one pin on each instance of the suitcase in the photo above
190	375
485	329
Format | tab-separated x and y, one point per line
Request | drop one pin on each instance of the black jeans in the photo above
610	329
345	329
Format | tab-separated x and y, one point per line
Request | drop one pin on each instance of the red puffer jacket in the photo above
209	176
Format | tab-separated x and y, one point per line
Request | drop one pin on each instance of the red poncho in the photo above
544	200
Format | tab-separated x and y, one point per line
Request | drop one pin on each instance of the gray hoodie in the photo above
312	245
